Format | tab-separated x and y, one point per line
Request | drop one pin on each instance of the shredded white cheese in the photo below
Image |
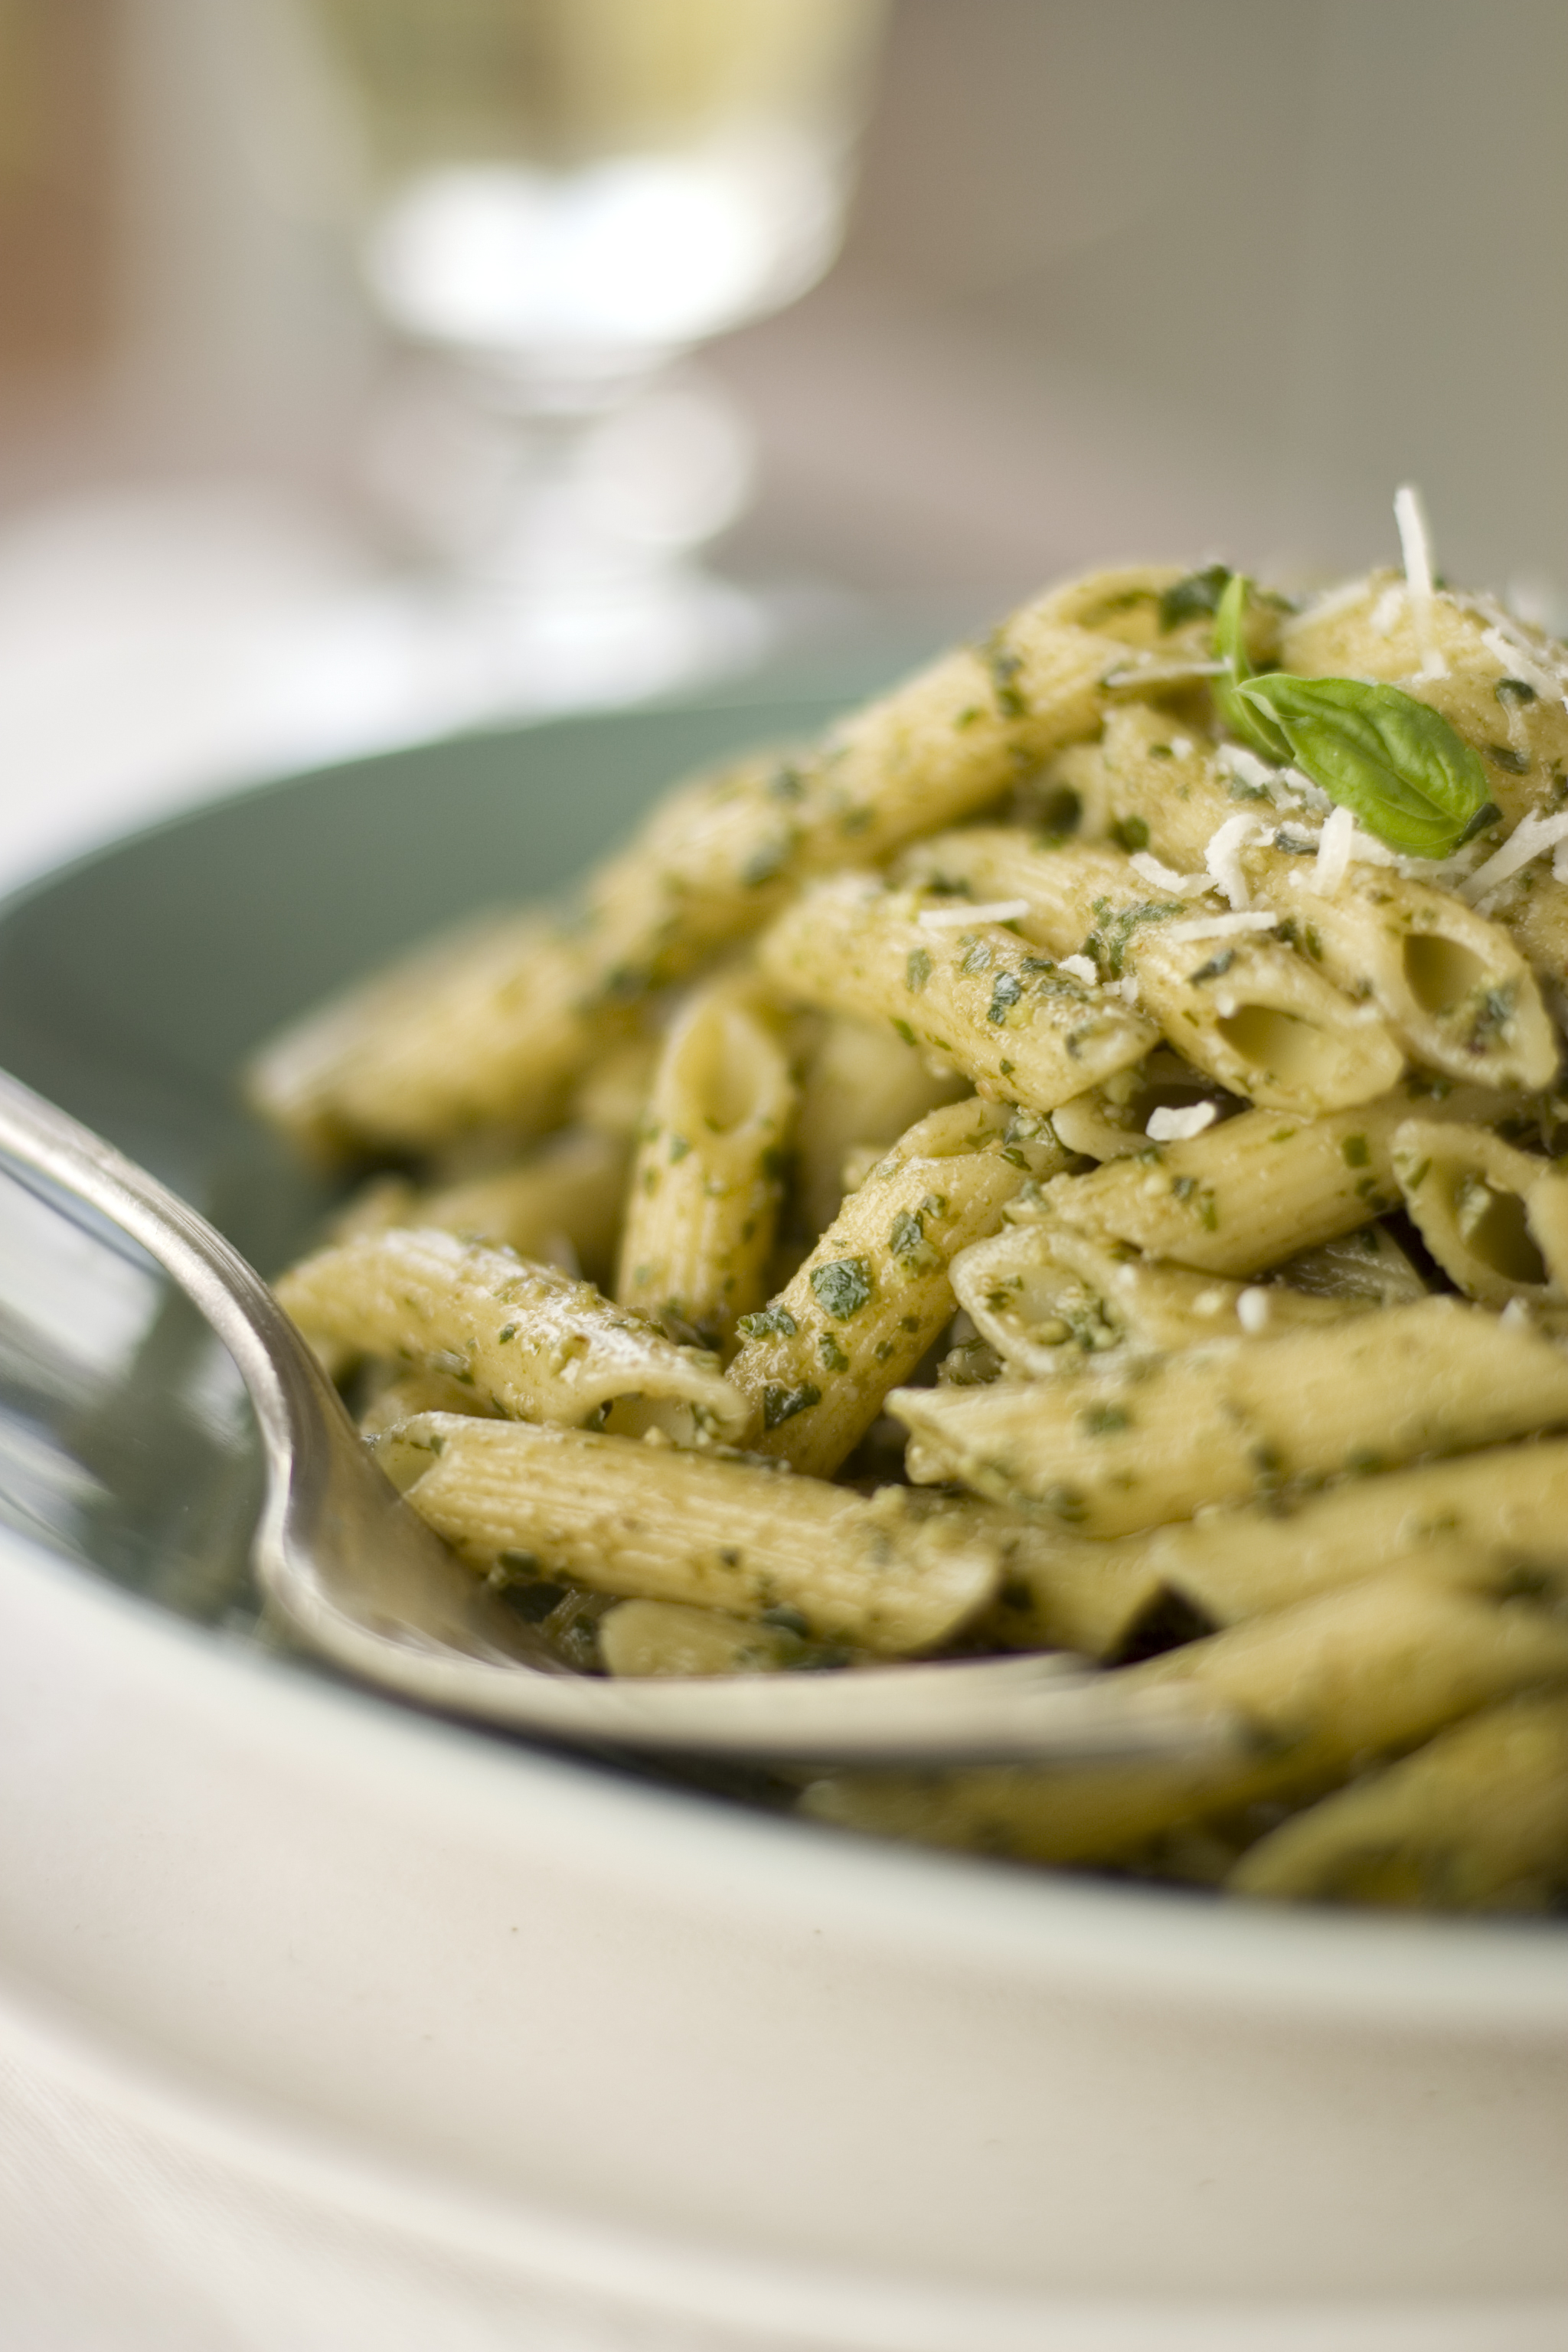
1332	862
1182	747
1172	1125
1334	601
1519	661
1181	885
1082	967
1560	862
1220	927
954	918
1387	609
1249	768
1223	859
1531	836
1415	542
1252	1310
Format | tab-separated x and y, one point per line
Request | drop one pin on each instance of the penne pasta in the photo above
526	1339
875	1291
709	1174
717	1533
1100	1058
861	1087
1242	1196
1495	1218
1452	985
1158	1438
1241	1006
1476	1821
1045	1295
971	995
1325	1684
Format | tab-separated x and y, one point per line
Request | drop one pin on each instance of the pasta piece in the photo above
640	1638
874	1293
710	1170
1452	986
527	1339
861	1089
1326	1684
1368	1265
1112	1120
1495	1218
398	1399
562	1204
1161	1438
485	1027
1242	1196
1476	1821
1507	1506
1243	1006
1046	1295
657	1523
491	1026
1023	1030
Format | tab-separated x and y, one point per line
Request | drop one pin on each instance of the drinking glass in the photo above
564	198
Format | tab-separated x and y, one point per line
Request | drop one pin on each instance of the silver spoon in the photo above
357	1575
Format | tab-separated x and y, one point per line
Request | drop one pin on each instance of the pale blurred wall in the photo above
1171	274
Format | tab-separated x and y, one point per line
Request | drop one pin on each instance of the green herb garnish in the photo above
1395	763
841	1287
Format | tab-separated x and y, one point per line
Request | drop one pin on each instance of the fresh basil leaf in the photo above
1199	592
1255	728
1395	763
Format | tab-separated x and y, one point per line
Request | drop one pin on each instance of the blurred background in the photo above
1117	277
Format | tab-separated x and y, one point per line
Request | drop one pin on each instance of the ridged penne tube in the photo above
1476	1821
862	1087
1452	986
974	995
1112	1120
1061	1591
1046	1295
1160	1438
492	1027
874	1293
709	1173
1260	1019
526	1338
1495	1218
1326	1684
1244	1195
1507	1506
570	1191
656	1523
485	1027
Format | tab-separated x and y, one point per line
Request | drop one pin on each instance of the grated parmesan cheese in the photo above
1519	661
1415	542
953	918
1183	885
1531	836
1221	926
1173	1126
1081	967
1332	862
1223	859
1252	1310
1387	609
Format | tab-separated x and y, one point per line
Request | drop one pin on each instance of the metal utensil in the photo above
357	1575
